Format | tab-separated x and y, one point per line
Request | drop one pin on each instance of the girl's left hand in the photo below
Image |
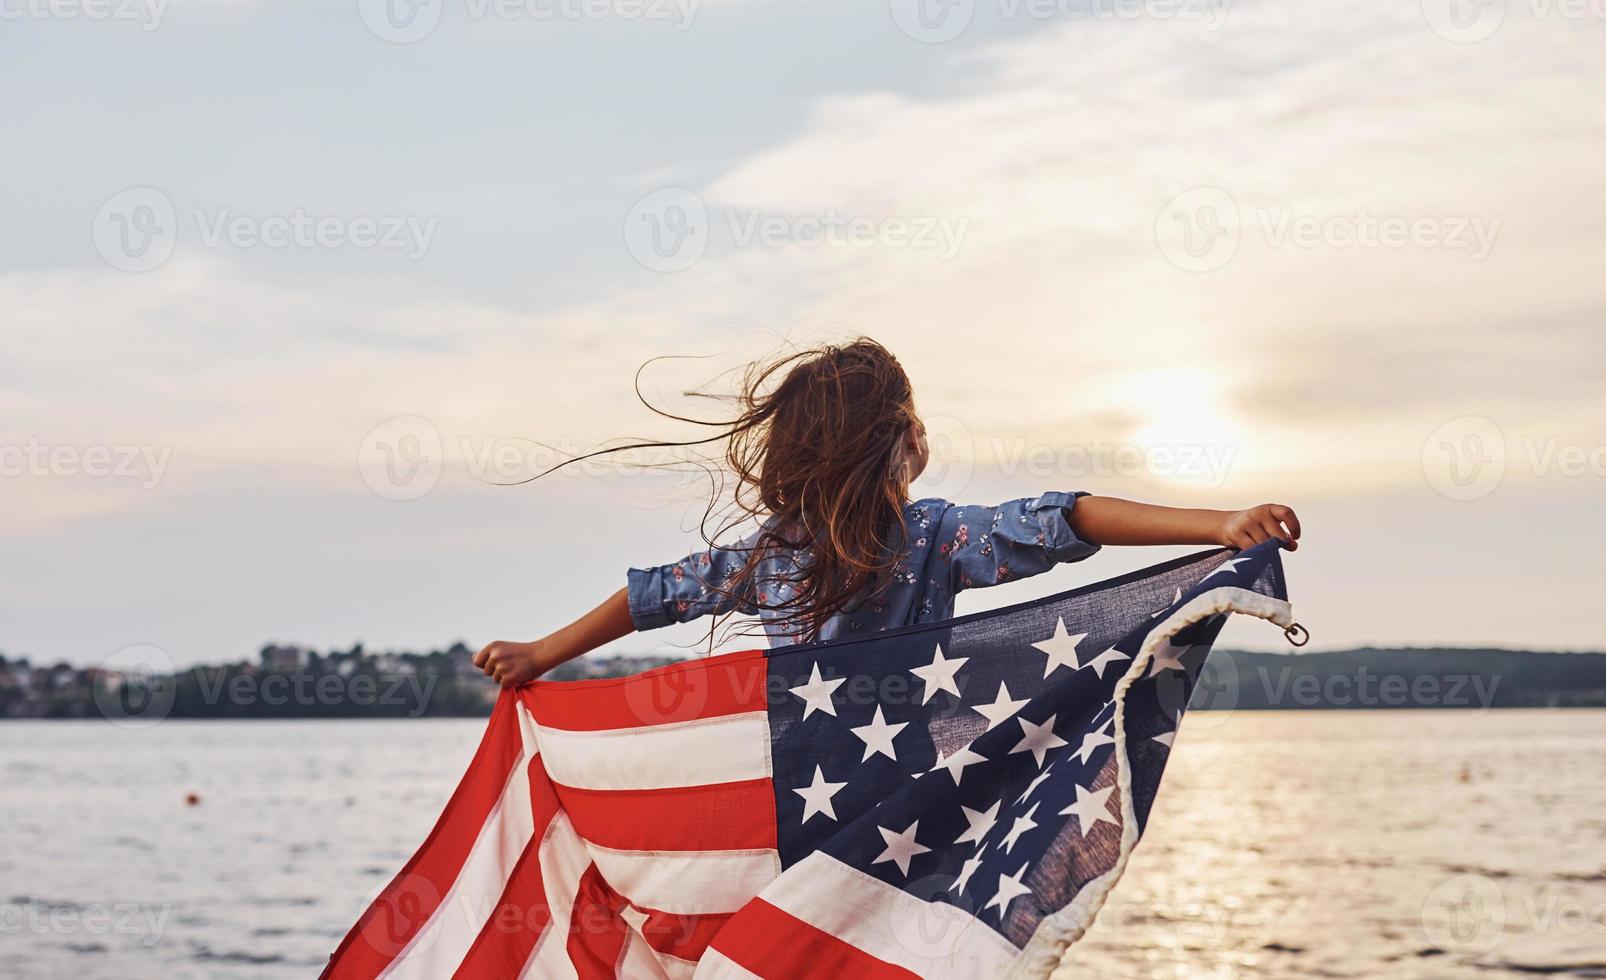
1247	528
510	664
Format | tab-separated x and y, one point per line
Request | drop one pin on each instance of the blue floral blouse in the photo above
950	548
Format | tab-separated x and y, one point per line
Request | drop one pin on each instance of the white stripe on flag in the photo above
563	861
671	966
717	966
443	942
690	753
640	959
931	939
687	882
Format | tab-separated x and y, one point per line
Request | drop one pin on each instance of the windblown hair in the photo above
817	454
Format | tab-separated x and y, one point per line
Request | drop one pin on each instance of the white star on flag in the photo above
901	847
1009	889
816	694
1001	708
939	675
965	871
1230	565
1060	648
1036	782
956	763
1168	656
1093	740
980	823
878	735
1104	659
1162	611
1090	808
1038	739
1023	823
817	796
1167	738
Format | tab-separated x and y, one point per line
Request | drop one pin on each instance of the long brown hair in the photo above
817	452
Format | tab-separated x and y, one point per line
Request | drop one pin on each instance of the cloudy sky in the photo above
287	288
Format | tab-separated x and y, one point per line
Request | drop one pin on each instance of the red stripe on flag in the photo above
509	936
596	932
710	688
685	936
718	817
772	943
412	897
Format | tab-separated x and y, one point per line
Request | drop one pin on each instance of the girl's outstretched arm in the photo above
511	663
1110	520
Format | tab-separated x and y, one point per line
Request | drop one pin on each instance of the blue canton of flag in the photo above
1005	763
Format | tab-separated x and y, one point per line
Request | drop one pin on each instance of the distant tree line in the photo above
296	682
283	682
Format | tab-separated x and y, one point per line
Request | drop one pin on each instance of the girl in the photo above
824	460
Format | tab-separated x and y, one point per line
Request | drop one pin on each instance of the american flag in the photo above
945	800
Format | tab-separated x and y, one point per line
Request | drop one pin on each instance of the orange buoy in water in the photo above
192	799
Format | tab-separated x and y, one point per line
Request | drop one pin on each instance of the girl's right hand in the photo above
510	664
1247	528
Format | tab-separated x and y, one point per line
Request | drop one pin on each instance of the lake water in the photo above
1340	844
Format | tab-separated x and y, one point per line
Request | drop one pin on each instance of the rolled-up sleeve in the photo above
697	585
1017	539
